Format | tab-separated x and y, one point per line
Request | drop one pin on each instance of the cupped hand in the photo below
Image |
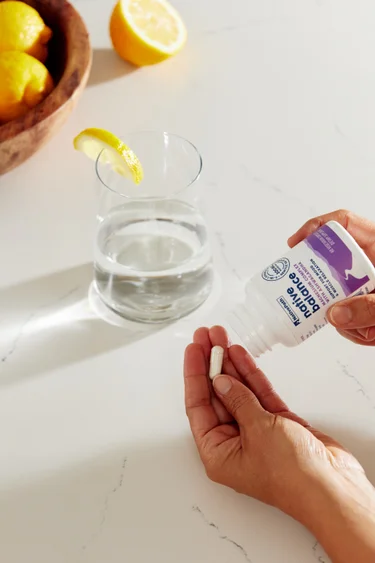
247	437
354	318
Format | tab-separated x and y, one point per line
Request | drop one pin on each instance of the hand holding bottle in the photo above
354	318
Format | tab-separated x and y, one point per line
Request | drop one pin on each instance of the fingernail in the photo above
222	384
340	315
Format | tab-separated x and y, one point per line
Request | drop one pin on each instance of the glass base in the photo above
150	313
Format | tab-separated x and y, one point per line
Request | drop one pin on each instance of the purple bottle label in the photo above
329	247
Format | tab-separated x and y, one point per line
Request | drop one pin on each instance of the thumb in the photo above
239	401
357	312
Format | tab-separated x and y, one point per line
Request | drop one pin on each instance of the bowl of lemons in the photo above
45	59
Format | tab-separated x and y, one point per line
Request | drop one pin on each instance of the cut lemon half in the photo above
146	32
94	141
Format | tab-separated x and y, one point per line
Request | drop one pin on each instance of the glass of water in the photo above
152	255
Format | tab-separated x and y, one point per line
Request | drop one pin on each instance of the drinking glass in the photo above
152	256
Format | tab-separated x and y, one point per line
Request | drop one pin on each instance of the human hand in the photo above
253	443
250	441
354	318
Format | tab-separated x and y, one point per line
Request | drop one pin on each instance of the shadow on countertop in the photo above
47	323
107	66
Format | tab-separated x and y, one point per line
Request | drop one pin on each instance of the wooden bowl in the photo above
69	63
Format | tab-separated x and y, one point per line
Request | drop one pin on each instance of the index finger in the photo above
362	230
199	409
202	337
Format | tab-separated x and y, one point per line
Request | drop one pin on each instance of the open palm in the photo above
247	438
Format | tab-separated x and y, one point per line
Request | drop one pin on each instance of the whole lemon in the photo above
24	83
22	29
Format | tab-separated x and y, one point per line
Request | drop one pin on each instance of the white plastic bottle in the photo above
287	303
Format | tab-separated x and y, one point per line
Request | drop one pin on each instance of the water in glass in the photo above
152	260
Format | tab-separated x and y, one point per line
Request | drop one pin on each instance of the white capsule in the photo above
216	361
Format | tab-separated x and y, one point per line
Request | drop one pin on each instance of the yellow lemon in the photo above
146	32
22	29
123	160
24	83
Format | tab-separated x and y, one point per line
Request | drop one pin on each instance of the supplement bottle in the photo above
287	303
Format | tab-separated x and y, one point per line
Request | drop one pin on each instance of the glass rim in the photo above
157	132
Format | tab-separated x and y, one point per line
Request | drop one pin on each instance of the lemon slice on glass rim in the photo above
94	141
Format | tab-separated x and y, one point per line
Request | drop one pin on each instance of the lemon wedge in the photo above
122	159
146	32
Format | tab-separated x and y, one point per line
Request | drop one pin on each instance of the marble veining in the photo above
18	337
32	316
222	536
264	184
319	553
222	246
107	501
360	388
338	130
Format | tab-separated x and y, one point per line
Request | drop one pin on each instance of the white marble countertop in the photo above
97	462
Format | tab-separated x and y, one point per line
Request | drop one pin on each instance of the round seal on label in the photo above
277	270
